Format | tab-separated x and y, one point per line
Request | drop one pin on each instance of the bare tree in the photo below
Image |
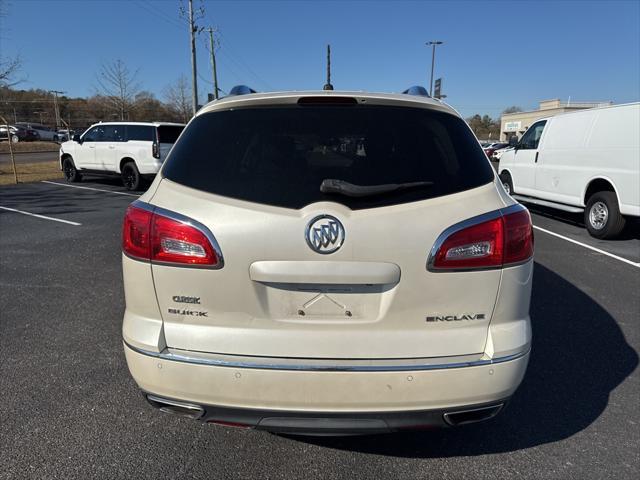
512	109
178	98
9	66
119	85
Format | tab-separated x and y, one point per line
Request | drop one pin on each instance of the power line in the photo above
240	62
149	9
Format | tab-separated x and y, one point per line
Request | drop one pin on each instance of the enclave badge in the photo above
455	318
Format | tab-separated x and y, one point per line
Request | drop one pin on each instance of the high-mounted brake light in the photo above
327	100
496	240
163	237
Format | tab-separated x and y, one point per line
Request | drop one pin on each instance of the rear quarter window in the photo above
169	133
280	156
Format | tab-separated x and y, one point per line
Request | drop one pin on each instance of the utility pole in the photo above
328	85
433	44
213	63
55	106
194	76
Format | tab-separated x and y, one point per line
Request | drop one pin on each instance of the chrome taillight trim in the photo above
187	221
326	365
485	217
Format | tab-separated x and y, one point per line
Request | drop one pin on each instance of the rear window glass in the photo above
280	156
141	132
169	133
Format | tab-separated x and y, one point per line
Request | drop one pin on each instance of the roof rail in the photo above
241	90
417	90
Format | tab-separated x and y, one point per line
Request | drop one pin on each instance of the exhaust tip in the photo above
463	417
177	408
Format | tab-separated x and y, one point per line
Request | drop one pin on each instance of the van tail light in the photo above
155	150
159	236
495	240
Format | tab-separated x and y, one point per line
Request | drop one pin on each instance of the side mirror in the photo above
76	138
513	141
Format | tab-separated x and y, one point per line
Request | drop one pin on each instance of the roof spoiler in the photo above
417	90
241	90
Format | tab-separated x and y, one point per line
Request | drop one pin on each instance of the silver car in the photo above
327	263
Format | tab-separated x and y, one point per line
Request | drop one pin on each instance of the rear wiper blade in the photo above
332	185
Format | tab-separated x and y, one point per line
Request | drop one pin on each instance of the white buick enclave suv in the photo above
328	263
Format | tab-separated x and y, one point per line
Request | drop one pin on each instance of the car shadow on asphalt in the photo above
631	230
579	356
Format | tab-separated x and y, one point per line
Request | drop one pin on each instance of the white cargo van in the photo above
587	161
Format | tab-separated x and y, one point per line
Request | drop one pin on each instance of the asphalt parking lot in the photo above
70	409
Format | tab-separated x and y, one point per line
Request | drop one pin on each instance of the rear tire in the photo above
602	215
71	174
131	176
507	182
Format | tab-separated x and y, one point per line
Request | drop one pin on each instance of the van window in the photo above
281	155
140	132
531	138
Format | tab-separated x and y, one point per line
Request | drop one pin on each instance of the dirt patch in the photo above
29	147
30	172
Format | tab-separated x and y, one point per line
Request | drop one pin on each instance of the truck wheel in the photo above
602	215
131	176
71	174
507	183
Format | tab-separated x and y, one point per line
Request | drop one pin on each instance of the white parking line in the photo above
41	216
89	188
633	264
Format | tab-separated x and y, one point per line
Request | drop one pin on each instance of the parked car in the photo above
327	262
133	150
44	133
64	135
18	133
490	150
497	154
585	161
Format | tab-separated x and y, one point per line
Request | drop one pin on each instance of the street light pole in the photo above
433	44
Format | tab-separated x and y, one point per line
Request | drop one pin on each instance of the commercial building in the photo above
517	123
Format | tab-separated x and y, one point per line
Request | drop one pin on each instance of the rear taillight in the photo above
496	240
155	150
163	237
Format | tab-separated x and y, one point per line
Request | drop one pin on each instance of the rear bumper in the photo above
328	423
305	401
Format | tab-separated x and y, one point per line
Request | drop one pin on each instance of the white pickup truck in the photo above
586	161
132	150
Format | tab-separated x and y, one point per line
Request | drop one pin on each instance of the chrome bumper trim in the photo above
270	363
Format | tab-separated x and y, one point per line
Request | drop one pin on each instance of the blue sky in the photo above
495	54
